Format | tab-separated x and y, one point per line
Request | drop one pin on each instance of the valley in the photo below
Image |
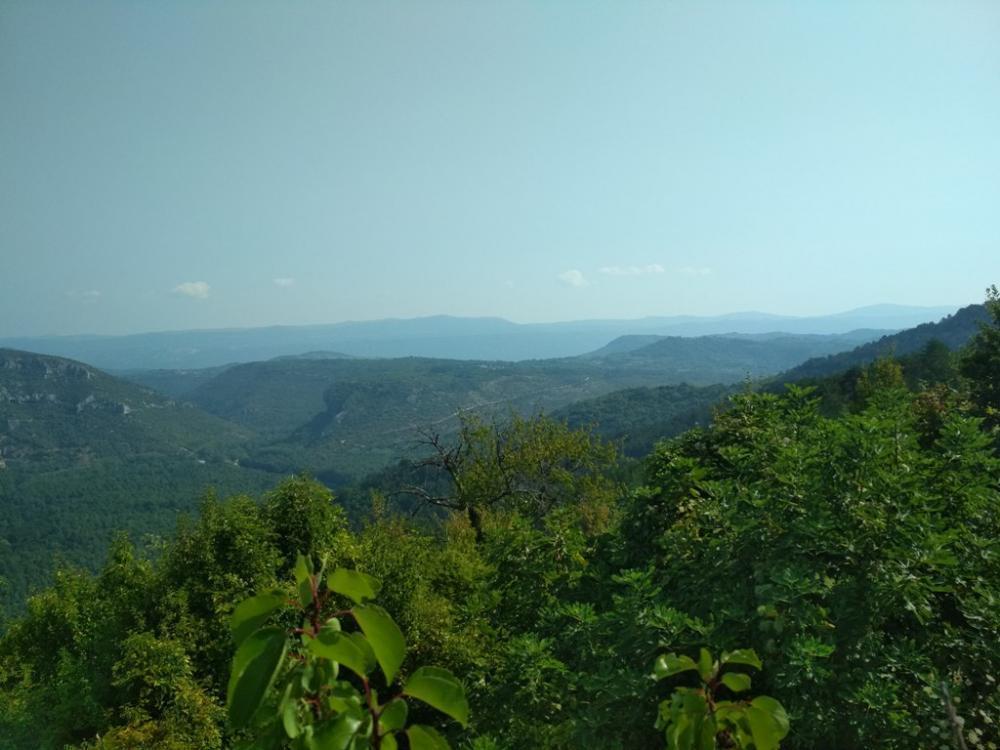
85	453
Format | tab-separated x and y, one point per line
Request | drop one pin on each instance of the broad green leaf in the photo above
742	656
426	738
344	697
706	740
252	613
736	681
775	709
394	715
765	731
667	665
254	668
349	649
354	585
439	688
290	718
389	742
303	581
705	667
336	734
385	637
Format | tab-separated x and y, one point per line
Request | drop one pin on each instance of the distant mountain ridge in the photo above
651	345
440	336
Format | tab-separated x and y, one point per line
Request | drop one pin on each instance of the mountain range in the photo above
439	337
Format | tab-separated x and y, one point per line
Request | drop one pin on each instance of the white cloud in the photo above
91	294
193	289
284	282
574	277
695	271
632	270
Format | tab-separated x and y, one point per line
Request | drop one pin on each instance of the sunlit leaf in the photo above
742	656
667	665
439	688
385	637
350	649
736	681
354	585
252	613
426	738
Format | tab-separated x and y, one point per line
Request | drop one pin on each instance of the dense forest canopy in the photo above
848	536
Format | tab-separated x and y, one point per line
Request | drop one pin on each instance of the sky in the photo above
188	164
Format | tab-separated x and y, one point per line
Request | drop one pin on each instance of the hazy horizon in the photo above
934	313
179	166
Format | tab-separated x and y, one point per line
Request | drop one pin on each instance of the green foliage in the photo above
286	687
526	466
702	718
855	554
981	361
855	549
640	417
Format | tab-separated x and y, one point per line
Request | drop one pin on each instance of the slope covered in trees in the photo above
856	554
83	454
954	331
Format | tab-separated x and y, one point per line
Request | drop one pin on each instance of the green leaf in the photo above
344	697
290	718
336	734
705	667
354	585
389	742
426	738
742	656
766	734
255	666
385	637
349	649
706	740
667	665
736	681
775	709
393	715
303	581
439	688
252	613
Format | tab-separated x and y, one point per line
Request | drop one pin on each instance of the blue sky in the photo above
182	164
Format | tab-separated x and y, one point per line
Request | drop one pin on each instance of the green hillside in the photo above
638	418
342	418
83	454
954	331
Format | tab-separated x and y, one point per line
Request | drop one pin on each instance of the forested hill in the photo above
65	412
954	331
343	418
84	454
637	418
773	344
726	359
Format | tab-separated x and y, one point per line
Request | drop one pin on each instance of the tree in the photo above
981	361
530	466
